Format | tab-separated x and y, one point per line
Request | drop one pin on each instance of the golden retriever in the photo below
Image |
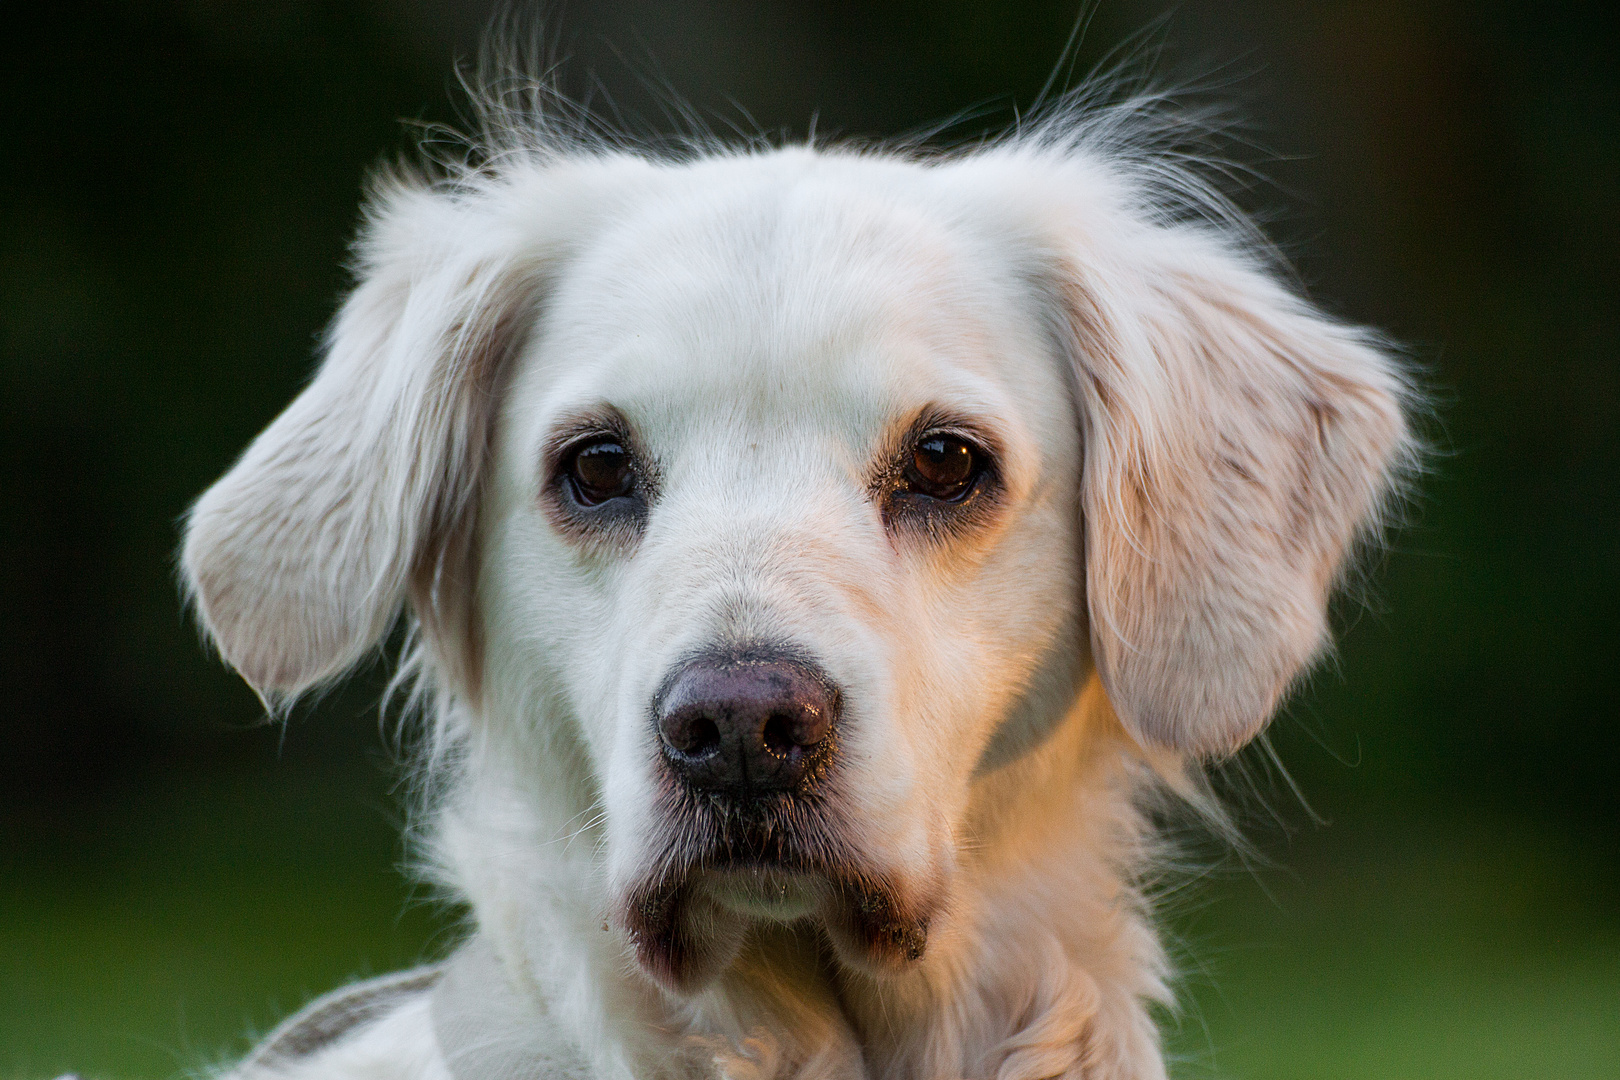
818	558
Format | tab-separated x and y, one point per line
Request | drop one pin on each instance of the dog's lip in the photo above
687	925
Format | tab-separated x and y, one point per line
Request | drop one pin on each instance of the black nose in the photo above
747	727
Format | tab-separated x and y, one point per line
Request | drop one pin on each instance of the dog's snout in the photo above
747	727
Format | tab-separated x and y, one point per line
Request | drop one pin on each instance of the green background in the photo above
179	183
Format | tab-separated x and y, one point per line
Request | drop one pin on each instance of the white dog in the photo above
820	558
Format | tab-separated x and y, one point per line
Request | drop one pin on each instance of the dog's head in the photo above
787	494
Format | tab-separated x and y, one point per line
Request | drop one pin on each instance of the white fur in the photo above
1188	451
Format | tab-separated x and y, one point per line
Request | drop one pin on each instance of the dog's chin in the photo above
718	869
688	929
764	893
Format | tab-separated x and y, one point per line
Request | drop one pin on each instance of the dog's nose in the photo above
746	727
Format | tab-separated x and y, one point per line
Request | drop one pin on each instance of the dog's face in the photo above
766	503
783	515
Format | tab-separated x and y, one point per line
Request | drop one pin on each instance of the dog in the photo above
820	562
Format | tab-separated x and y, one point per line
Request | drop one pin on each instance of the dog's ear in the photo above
300	557
1237	441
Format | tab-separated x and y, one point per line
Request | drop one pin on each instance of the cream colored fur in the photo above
1188	451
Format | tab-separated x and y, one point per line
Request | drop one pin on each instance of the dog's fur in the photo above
1181	454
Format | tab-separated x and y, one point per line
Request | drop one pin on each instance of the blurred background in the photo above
182	180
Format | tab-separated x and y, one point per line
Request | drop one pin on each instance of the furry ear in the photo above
1236	443
299	559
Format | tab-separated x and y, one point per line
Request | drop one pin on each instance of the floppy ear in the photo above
1236	443
364	488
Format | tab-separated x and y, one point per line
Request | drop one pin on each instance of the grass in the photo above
1421	953
143	941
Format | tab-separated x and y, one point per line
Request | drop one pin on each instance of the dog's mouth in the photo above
723	867
762	892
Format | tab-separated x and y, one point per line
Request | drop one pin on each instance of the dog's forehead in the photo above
813	297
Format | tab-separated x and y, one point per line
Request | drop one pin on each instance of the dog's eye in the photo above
599	471
943	466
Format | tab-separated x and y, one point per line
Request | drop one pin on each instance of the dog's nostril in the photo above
778	735
702	738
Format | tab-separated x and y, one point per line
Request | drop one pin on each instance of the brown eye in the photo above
599	471
943	466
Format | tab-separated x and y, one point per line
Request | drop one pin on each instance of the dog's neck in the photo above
1041	963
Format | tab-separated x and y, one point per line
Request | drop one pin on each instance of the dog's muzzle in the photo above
755	823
